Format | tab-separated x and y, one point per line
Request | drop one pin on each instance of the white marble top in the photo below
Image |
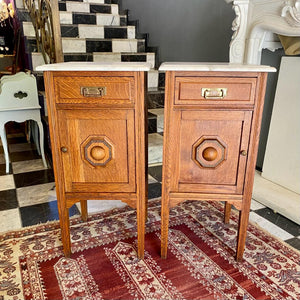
96	66
224	67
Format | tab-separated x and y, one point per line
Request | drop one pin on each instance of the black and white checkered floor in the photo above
27	194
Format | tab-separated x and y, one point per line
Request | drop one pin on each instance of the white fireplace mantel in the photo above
257	24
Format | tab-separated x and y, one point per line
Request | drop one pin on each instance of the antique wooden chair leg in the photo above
227	211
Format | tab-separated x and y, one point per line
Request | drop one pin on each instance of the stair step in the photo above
97	31
123	32
152	123
109	1
156	98
161	79
88	7
158	115
80	45
28	29
23	15
78	57
37	60
124	56
70	30
95	1
30	44
152	79
155	148
88	31
147	57
91	1
40	82
67	17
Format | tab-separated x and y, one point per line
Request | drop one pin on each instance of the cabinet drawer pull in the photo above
214	93
93	91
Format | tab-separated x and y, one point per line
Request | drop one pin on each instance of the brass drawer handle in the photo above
93	91
214	93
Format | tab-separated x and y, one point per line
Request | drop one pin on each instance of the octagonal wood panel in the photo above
97	150
209	151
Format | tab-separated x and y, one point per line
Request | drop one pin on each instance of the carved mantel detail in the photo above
236	23
239	27
257	25
291	12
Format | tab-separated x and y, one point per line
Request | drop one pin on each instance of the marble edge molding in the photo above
198	66
96	66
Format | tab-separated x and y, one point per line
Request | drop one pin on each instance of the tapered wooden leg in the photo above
141	219
65	231
242	233
84	213
227	211
164	224
64	220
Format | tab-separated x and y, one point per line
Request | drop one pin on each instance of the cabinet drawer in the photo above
93	90
216	90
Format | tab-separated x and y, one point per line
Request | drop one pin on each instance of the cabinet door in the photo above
97	150
212	150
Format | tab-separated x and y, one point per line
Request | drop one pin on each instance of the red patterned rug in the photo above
200	263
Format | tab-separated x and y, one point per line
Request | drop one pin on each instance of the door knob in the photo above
64	149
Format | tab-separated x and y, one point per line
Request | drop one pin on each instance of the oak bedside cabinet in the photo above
211	132
97	119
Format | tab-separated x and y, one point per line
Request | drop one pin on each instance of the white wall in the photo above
185	30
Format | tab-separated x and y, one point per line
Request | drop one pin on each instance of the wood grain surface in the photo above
227	128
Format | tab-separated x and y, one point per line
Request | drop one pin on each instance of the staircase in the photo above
96	30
